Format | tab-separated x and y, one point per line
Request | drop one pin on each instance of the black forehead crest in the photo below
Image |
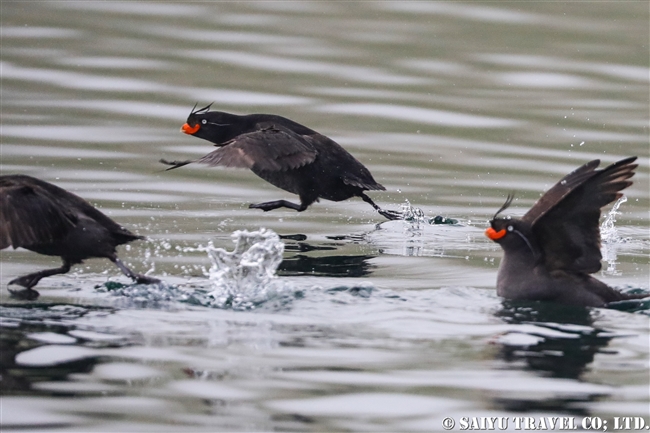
200	110
506	205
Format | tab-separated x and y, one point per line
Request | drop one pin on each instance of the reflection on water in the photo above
555	341
560	340
383	326
38	325
328	266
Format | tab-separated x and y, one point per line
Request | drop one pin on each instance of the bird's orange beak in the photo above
191	130
494	235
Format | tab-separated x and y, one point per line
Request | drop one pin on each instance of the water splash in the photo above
245	278
412	214
415	215
608	231
610	238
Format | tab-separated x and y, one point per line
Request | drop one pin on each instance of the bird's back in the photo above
35	212
334	174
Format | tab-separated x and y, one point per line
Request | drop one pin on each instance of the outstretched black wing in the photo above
271	148
565	220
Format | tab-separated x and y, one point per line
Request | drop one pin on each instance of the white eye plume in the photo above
215	123
525	239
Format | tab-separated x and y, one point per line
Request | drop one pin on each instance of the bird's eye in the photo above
510	228
204	121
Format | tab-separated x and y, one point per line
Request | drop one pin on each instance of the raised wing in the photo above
29	215
566	223
272	148
560	190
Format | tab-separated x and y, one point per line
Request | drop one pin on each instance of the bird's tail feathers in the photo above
175	164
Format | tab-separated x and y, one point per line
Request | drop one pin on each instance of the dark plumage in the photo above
49	220
285	154
550	252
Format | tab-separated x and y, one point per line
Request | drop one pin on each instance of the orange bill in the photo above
494	235
186	128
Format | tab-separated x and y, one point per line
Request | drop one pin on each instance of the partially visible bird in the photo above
551	251
41	217
285	154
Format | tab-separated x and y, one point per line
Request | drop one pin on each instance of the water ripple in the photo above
301	66
38	32
469	12
421	115
82	134
76	80
60	152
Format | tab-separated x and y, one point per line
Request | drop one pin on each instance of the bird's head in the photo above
214	126
510	233
499	226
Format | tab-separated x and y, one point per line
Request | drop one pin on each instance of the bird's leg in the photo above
389	214
30	280
270	205
138	278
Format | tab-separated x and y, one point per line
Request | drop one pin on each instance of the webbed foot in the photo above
144	279
25	294
391	214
